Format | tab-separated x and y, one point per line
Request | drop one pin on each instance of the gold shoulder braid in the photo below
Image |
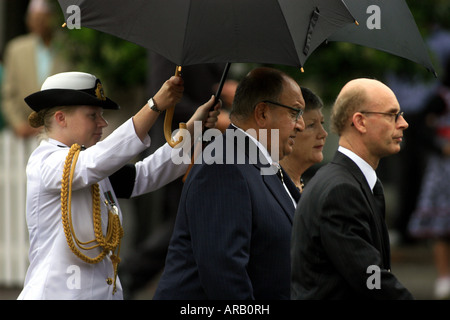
114	232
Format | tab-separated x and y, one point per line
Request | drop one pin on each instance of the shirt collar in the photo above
260	146
367	170
60	144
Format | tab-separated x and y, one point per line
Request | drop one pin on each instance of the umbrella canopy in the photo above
386	25
191	32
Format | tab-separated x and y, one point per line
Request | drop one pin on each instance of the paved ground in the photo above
412	265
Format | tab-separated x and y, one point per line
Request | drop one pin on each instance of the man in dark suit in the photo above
232	233
340	243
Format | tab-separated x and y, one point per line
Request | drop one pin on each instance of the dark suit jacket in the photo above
337	234
232	234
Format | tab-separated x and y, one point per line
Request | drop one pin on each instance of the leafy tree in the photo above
119	62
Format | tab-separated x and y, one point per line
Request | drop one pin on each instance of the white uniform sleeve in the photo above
156	171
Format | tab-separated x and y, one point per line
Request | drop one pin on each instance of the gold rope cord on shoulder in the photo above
108	243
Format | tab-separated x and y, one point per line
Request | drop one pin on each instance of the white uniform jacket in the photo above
55	272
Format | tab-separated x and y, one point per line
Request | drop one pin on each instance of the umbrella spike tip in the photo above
64	25
302	70
356	22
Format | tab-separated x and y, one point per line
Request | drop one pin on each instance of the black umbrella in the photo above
189	32
386	25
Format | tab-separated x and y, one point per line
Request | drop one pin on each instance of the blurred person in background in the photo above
413	92
431	218
2	120
29	59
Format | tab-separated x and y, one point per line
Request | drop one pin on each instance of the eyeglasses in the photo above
395	115
299	112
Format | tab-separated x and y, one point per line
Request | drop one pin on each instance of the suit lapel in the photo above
272	182
342	159
275	186
379	221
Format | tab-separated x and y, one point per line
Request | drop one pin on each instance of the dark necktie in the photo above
378	192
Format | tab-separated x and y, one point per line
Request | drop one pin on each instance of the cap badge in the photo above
99	92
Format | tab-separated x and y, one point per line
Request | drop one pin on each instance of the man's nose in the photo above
300	124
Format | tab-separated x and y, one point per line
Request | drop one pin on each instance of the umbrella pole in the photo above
222	81
168	120
197	146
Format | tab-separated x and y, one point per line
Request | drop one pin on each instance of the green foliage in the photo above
119	62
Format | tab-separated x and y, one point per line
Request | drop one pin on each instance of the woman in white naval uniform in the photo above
70	105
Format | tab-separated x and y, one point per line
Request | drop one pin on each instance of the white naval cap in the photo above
70	89
70	80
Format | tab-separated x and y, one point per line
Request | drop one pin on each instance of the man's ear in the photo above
260	113
359	122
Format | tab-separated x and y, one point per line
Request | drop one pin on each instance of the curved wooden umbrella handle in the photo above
168	120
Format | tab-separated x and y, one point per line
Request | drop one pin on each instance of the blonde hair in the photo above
44	117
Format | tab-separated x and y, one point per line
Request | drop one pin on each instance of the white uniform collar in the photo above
60	144
56	143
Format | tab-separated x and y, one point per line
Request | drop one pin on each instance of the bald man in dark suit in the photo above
340	243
